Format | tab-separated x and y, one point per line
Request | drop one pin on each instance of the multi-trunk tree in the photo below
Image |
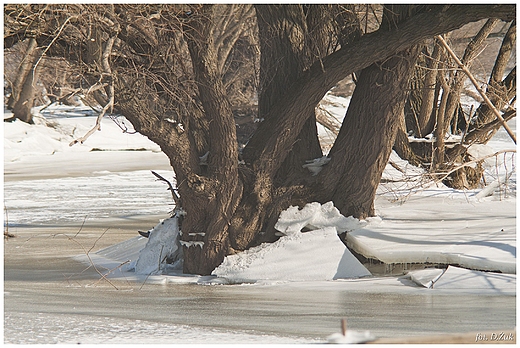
172	71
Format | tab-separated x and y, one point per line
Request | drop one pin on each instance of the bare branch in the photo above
471	163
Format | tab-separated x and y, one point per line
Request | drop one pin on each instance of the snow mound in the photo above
314	255
163	244
426	277
315	216
299	256
351	337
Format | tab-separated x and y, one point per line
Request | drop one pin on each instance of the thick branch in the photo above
485	131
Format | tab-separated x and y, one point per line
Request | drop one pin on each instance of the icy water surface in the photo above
218	314
50	298
72	199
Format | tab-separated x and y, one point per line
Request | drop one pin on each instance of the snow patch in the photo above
315	255
299	256
316	165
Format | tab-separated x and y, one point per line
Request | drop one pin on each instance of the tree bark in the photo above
222	186
365	140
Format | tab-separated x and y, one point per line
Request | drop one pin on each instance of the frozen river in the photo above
59	205
50	298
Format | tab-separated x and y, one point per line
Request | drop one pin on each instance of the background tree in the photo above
434	113
167	69
23	87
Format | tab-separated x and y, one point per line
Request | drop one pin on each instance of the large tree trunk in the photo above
181	104
209	214
366	137
365	140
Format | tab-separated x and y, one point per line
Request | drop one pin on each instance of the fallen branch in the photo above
95	128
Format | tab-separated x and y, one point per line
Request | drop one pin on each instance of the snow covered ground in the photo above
48	182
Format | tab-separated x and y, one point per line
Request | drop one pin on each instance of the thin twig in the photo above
112	270
81	227
103	276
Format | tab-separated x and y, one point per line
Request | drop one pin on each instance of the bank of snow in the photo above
317	254
471	233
